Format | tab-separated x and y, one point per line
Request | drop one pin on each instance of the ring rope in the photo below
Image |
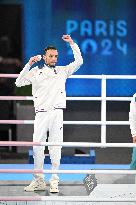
69	122
98	171
69	98
66	144
83	76
65	198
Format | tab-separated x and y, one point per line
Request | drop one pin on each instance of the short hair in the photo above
49	48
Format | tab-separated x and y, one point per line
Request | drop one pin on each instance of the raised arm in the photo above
132	118
75	65
26	76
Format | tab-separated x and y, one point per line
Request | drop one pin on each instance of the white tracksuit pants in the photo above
51	121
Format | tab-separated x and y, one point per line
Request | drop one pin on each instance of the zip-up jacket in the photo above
48	84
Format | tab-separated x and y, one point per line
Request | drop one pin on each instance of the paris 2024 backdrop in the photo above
104	31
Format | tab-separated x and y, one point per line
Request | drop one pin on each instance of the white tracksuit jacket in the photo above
132	115
48	86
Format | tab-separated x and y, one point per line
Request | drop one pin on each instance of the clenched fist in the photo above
68	39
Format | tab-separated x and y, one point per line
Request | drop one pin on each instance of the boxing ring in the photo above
103	193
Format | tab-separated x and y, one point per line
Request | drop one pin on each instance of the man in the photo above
48	89
132	120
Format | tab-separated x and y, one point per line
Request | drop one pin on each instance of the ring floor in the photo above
70	185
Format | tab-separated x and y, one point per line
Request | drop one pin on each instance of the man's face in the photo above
51	57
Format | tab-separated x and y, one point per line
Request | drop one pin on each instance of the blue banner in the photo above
104	31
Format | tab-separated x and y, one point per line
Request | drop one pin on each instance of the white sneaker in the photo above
36	185
54	185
